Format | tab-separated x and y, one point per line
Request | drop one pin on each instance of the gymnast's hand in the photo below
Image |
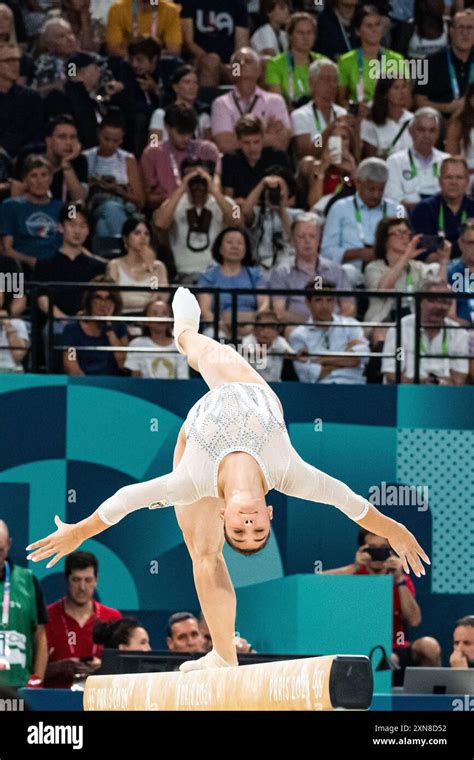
64	540
408	549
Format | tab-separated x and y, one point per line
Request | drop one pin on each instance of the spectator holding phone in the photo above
385	130
445	213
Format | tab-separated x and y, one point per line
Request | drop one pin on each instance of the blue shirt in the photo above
248	277
33	226
318	340
93	362
458	273
425	219
341	231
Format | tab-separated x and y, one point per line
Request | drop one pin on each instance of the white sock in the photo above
186	313
210	660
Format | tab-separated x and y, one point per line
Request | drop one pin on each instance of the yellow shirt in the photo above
163	25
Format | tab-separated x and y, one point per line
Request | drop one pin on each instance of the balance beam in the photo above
312	683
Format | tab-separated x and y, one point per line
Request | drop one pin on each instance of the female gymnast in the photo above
232	449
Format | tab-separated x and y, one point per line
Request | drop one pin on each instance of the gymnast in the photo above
232	449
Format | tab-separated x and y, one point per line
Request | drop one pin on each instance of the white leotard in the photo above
234	417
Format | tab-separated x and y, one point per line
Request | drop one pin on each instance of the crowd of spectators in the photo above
223	144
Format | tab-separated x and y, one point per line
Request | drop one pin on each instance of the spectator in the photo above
332	176
288	73
336	33
462	655
385	129
161	165
24	633
88	32
234	269
247	98
9	36
310	121
460	130
194	215
413	172
312	339
12	276
21	109
125	634
132	18
114	178
29	223
245	167
435	338
59	43
351	222
183	634
430	32
71	621
270	38
138	266
375	557
445	213
356	79
96	303
78	97
461	275
169	365
185	85
268	212
306	263
14	339
449	70
265	349
212	30
141	96
205	633
71	263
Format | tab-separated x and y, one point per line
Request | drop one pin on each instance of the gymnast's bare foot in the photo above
210	660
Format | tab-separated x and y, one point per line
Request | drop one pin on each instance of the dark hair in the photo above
266	316
362	12
425	16
465	117
182	118
466	620
180	72
132	223
246	552
80	561
146	46
178	617
267	6
379	110
193	163
311	290
89	294
247	261
248	125
382	233
146	327
282	171
35	161
111	633
56	121
362	533
76	208
113	118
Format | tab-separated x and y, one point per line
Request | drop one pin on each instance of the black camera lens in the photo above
197	183
274	195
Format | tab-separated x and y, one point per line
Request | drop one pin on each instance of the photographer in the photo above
375	556
268	216
194	215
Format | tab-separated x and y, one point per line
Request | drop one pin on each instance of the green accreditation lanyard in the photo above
317	120
441	218
291	79
413	168
409	277
444	344
358	218
360	79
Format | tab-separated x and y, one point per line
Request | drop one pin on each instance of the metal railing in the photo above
36	317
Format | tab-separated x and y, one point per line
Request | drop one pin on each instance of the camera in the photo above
197	183
378	553
273	195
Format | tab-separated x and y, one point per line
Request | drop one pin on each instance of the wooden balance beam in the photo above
312	683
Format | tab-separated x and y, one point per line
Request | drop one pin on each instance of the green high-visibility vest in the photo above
18	635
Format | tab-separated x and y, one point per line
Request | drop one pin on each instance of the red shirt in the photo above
398	626
62	645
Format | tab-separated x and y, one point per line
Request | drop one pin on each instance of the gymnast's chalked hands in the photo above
60	543
408	549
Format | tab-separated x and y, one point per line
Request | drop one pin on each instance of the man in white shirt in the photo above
413	172
310	121
435	338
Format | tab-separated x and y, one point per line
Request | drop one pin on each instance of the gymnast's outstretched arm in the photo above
307	482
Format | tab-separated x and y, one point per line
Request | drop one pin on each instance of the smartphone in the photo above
335	145
86	659
430	243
